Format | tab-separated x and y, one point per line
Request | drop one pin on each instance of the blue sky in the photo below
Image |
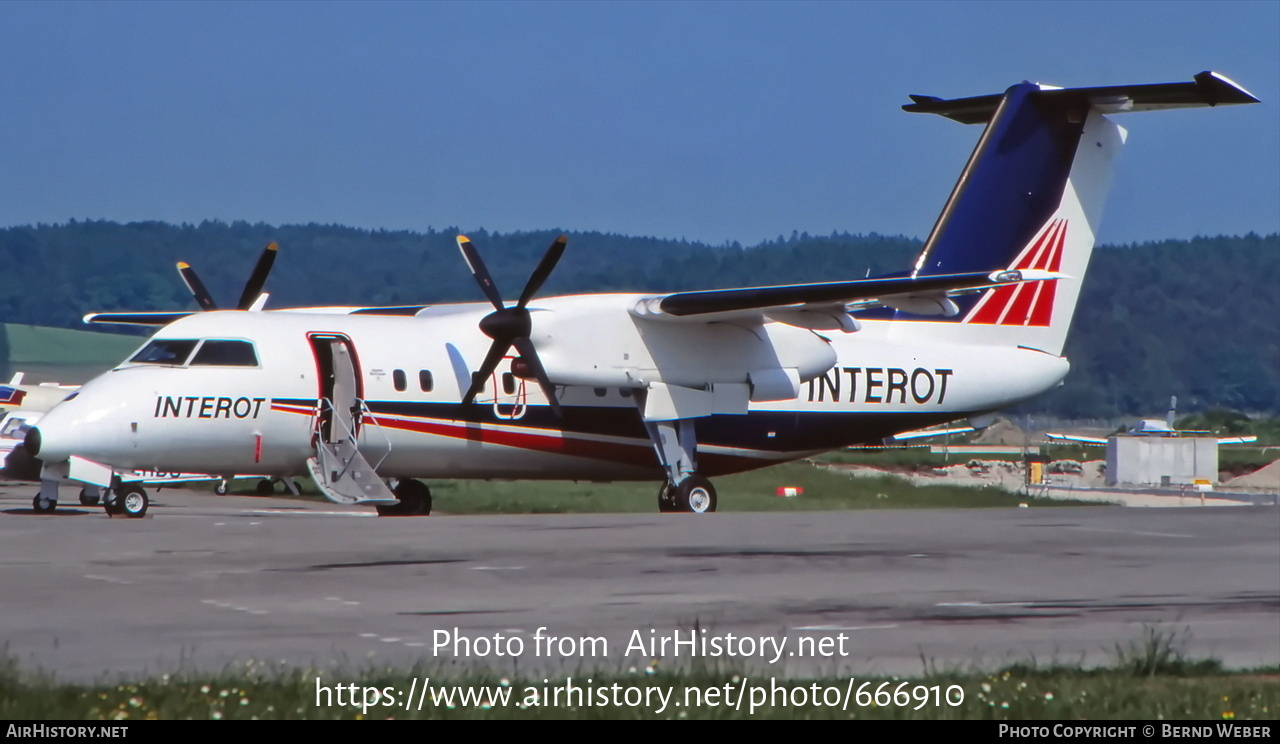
713	121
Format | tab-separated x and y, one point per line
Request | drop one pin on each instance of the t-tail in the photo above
1032	194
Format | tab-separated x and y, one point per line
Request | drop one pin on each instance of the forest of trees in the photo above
1199	319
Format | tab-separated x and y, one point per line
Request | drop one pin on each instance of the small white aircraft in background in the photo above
41	397
635	386
1152	428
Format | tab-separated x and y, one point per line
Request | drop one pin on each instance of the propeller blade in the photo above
496	352
203	298
530	356
479	271
540	274
510	326
253	287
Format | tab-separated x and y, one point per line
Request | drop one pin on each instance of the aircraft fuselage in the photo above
262	418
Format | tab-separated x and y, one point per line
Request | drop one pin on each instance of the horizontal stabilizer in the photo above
1207	89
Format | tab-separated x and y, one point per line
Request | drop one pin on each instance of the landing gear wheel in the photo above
667	499
132	501
415	500
86	499
265	487
221	489
695	494
111	503
43	507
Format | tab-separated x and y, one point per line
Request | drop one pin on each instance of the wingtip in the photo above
183	266
273	246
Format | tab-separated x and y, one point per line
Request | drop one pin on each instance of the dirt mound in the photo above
1267	477
1003	432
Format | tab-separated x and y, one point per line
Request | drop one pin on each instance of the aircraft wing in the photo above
926	295
1237	440
928	433
1075	438
147	319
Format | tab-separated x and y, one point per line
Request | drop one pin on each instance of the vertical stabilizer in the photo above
1032	195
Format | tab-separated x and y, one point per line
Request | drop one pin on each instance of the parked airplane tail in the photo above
1032	193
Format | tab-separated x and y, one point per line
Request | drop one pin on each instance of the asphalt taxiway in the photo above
204	581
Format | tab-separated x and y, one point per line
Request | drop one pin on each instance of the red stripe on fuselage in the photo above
639	453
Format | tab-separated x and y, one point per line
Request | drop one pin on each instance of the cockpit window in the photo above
219	353
165	351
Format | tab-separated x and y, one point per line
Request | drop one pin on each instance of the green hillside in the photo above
60	354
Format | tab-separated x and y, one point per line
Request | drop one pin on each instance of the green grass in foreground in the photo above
824	490
1148	680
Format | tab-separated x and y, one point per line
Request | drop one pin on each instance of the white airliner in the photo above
631	386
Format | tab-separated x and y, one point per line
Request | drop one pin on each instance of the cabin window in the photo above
220	353
508	383
172	351
425	383
399	381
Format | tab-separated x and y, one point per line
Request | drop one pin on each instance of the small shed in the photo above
1161	461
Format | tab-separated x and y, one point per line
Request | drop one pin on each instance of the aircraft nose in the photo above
56	437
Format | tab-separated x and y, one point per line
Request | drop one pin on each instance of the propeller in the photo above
252	288
510	326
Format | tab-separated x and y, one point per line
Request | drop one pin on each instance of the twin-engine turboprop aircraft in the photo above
632	386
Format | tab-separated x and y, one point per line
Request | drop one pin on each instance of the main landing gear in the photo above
685	490
128	500
415	500
694	494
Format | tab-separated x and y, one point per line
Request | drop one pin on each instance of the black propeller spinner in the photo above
510	326
252	288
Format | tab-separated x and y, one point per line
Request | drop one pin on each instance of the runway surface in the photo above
206	581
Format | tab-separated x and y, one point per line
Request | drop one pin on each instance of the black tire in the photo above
265	487
86	499
696	494
132	501
221	489
110	501
43	507
415	500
